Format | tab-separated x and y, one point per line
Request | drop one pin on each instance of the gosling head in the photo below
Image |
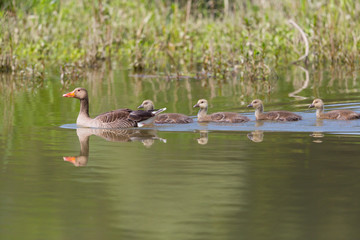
257	103
79	93
202	104
147	105
317	103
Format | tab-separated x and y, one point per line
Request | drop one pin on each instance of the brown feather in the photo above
115	115
172	118
228	117
166	118
140	115
341	115
279	116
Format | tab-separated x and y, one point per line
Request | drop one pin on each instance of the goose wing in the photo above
229	117
241	118
116	115
141	115
164	118
353	115
273	115
335	114
172	118
219	117
283	116
342	115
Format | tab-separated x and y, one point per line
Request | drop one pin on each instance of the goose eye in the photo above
78	90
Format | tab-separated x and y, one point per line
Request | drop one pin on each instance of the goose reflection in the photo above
203	139
146	136
256	136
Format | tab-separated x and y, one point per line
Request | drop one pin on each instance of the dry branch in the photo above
303	35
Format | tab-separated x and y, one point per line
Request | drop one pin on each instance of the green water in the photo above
198	181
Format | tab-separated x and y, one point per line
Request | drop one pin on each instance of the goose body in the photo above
334	114
224	117
120	118
166	118
273	115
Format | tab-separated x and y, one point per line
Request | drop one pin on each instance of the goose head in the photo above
202	104
147	105
78	161
257	104
317	103
79	93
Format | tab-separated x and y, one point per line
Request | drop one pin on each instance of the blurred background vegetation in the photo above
184	36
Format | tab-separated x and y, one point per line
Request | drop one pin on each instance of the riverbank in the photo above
185	37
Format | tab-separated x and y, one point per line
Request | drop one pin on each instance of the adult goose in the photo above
273	115
120	118
334	114
166	118
224	117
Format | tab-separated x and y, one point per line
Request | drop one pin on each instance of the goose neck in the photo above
319	111
259	111
84	107
202	112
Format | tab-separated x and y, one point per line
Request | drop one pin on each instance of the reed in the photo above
184	37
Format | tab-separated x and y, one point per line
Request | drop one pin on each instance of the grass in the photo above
248	38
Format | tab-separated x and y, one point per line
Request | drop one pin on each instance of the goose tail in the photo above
156	112
150	120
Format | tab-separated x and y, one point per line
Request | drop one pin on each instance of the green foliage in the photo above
164	35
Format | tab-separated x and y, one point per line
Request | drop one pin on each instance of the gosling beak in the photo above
196	105
250	105
141	106
311	105
70	94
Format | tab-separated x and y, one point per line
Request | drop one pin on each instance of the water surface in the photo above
256	180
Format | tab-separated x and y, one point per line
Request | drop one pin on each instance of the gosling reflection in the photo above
259	123
319	122
256	136
203	139
146	136
317	137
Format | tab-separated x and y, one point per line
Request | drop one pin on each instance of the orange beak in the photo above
70	94
70	159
